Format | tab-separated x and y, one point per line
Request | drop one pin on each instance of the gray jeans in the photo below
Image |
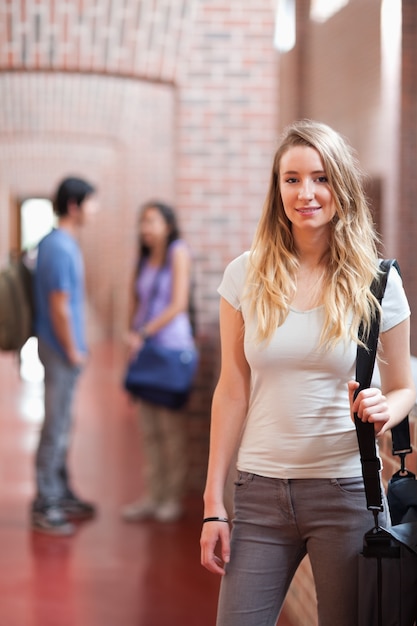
51	456
277	522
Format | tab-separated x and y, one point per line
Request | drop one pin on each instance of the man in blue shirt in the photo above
60	328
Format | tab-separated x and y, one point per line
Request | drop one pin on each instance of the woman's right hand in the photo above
214	535
134	342
228	412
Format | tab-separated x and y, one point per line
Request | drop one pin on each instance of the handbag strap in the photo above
152	292
192	312
152	295
365	362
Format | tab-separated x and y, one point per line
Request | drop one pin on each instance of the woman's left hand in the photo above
370	405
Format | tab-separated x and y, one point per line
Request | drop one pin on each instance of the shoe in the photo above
77	509
169	511
51	520
139	510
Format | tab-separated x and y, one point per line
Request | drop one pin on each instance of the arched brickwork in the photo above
147	99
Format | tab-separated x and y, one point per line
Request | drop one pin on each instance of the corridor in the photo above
109	573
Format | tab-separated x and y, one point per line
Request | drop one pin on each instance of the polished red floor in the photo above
109	573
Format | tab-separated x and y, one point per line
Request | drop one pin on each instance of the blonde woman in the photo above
289	317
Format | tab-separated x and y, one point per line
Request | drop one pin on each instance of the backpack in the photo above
16	302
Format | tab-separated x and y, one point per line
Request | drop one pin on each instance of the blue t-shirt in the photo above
60	267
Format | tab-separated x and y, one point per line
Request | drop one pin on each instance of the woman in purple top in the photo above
159	309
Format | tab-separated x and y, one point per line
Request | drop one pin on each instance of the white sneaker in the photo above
169	511
140	510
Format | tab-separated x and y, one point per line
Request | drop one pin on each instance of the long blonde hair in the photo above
352	257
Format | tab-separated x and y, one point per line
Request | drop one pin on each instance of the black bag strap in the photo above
365	363
401	442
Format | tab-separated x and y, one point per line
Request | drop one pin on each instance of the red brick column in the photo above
227	131
407	210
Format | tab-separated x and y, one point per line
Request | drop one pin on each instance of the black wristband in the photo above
215	519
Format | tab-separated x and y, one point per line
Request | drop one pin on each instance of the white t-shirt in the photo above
298	423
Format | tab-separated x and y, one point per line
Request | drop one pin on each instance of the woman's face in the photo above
153	228
306	194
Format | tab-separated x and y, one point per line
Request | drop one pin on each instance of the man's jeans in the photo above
51	470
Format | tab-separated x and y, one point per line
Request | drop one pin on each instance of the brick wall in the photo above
408	147
227	120
177	101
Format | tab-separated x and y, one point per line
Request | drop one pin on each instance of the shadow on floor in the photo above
109	573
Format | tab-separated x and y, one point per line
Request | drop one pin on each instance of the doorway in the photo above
37	219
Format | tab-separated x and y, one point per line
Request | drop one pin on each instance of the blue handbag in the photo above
162	376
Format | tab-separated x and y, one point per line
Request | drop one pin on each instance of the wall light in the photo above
285	22
322	10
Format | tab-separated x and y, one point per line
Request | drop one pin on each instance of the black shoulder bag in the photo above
387	594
